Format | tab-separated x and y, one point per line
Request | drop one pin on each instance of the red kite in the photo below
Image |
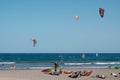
34	41
76	17
101	12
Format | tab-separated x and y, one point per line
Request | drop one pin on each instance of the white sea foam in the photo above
93	63
76	63
106	63
70	67
7	62
39	67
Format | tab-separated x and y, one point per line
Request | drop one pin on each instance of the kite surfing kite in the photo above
77	18
34	42
101	12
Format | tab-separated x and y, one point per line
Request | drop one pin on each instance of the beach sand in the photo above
39	75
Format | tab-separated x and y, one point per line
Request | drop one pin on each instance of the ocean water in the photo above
65	60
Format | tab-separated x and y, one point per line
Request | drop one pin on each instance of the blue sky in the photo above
53	24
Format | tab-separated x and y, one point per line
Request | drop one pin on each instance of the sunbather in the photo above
83	73
54	73
115	75
101	76
67	71
75	74
86	73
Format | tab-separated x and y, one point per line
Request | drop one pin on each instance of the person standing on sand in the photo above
3	67
56	65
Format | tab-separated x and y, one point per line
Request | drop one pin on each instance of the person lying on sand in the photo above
86	73
67	71
75	74
115	75
101	76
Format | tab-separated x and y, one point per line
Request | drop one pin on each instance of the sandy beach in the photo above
39	75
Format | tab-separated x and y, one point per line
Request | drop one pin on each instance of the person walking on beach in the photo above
56	65
3	67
